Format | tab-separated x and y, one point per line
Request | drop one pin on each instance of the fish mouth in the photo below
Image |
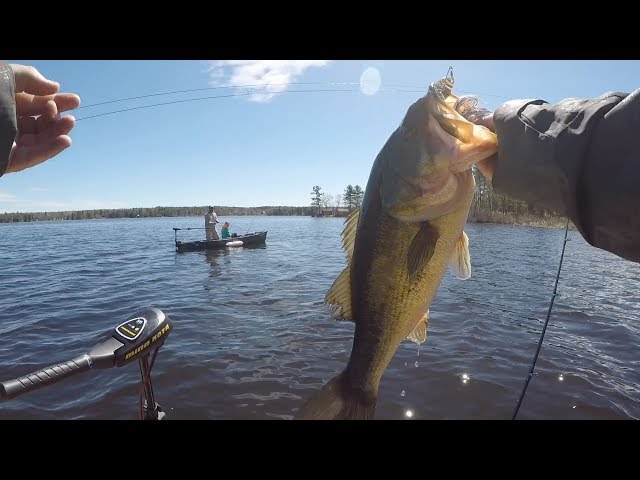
428	168
455	116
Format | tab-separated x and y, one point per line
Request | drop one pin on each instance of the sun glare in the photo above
370	81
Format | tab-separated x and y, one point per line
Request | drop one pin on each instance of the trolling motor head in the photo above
134	338
139	336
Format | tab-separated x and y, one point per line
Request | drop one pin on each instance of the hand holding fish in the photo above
578	158
488	165
41	132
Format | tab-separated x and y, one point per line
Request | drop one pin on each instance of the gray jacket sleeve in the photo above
579	158
8	119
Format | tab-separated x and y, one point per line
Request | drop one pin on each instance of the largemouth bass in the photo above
409	229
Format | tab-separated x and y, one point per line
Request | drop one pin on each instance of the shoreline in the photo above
493	218
526	220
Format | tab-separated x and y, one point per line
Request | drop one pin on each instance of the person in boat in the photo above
210	220
26	141
225	230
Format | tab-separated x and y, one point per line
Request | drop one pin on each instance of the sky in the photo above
257	146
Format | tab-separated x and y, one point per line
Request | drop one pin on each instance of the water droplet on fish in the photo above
465	376
403	393
405	364
573	406
408	414
416	364
561	378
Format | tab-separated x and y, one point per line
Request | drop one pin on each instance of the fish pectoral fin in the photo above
460	262
349	233
422	248
338	297
419	334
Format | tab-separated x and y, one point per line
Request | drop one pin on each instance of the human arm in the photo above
579	158
26	141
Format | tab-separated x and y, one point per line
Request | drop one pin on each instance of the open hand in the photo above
46	136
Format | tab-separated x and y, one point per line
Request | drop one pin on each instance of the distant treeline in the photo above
152	212
491	207
487	207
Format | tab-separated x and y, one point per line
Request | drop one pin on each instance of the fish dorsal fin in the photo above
460	262
338	297
349	233
419	334
422	248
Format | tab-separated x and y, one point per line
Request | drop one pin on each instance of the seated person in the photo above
225	230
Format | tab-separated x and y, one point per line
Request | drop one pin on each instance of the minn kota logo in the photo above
131	329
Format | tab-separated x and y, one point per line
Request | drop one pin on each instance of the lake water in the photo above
252	338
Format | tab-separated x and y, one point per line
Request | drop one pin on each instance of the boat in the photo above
248	239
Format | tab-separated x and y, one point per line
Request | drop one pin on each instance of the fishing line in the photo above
219	87
230	95
251	224
258	86
255	86
257	89
544	328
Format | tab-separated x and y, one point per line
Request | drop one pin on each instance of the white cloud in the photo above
7	197
264	77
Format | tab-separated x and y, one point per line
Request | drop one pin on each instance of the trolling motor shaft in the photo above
151	410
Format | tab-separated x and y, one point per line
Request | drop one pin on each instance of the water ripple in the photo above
253	339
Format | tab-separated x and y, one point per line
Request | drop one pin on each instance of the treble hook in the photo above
449	75
442	88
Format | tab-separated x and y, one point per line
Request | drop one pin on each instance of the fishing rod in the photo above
139	337
248	229
544	328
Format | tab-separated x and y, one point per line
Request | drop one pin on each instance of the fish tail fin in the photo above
338	401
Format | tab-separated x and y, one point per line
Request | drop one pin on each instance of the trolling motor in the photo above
137	338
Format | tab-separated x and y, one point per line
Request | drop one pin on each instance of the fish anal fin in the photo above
419	334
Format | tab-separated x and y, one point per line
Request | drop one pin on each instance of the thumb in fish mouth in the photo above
467	106
469	143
